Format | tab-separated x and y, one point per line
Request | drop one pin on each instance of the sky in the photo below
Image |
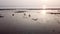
29	3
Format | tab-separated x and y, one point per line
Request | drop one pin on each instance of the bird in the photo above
12	14
29	15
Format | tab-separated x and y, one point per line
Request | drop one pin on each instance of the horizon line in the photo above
29	9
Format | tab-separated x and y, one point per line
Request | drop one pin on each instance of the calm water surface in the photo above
29	22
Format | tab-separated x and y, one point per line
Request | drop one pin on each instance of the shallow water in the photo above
29	22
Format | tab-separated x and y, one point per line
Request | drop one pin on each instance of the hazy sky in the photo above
29	3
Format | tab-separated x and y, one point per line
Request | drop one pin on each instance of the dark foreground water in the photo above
29	22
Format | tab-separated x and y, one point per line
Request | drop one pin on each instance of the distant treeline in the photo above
33	9
44	9
7	9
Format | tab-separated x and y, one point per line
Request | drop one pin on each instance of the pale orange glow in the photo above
43	12
44	0
44	7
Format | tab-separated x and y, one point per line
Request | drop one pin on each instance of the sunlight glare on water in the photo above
43	12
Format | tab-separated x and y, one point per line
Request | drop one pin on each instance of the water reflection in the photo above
54	13
58	22
53	30
34	19
20	11
58	10
41	22
1	16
